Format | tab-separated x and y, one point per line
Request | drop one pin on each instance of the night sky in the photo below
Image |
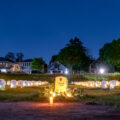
40	28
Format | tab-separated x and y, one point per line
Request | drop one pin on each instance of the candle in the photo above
51	100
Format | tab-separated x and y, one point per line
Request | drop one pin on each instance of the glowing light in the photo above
68	95
53	94
51	100
102	71
66	71
4	70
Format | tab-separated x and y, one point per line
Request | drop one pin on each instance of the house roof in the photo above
2	59
28	60
52	67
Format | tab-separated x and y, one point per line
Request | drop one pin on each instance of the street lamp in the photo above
66	71
101	70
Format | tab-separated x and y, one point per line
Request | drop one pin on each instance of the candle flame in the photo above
51	100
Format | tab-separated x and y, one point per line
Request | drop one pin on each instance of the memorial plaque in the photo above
61	84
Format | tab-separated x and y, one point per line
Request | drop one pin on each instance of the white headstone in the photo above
20	83
97	84
91	84
39	82
36	83
104	84
8	82
29	83
33	83
112	84
25	83
2	84
13	84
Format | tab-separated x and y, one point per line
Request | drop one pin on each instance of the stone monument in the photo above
61	84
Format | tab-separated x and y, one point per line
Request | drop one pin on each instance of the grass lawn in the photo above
51	78
98	95
23	76
22	94
36	93
89	95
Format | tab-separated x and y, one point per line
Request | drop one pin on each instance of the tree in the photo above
74	55
53	59
19	57
38	64
110	53
83	65
54	62
10	56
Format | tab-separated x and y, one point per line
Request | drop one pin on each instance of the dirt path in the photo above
57	111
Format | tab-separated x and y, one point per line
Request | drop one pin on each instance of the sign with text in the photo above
61	84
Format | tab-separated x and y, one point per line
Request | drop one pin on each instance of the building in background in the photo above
8	66
25	66
57	68
15	67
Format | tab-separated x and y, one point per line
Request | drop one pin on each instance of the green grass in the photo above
51	78
22	94
94	77
35	93
103	96
22	76
111	97
98	95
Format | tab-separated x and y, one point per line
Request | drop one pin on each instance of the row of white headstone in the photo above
20	83
99	84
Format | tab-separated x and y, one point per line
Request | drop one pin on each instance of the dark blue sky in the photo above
40	28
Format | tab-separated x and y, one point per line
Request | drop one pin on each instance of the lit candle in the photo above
51	100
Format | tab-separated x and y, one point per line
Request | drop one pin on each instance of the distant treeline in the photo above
76	56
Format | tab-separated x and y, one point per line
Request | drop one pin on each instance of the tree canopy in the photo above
16	57
19	57
110	52
38	64
53	59
10	56
74	55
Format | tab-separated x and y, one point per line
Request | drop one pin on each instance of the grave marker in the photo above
13	83
61	84
2	84
104	84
